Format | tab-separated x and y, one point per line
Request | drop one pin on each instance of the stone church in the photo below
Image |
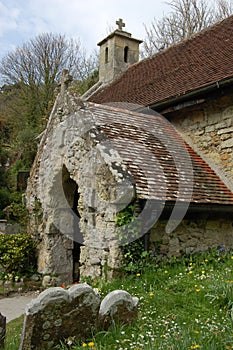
157	133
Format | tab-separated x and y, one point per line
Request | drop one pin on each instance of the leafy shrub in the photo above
17	254
134	255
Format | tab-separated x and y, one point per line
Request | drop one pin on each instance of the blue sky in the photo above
87	20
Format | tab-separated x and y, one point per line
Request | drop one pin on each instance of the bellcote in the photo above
117	52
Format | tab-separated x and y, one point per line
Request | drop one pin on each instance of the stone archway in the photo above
70	188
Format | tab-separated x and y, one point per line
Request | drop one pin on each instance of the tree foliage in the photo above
185	18
36	68
31	74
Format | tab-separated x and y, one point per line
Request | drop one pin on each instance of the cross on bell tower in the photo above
120	23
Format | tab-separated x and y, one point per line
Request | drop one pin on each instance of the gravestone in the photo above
3	226
57	314
117	307
2	330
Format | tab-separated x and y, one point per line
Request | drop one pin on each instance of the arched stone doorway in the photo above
70	188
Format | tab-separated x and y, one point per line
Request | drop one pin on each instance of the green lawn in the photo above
185	303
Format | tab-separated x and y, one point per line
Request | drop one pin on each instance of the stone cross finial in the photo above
66	79
120	23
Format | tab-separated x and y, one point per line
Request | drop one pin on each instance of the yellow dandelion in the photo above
138	274
190	272
165	271
198	290
91	344
195	346
151	294
84	344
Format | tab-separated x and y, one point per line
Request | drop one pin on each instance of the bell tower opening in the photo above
126	50
106	55
70	188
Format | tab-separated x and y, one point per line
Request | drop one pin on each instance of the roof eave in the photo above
191	94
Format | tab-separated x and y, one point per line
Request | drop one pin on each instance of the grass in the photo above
185	303
13	331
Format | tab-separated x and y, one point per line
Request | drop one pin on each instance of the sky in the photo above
85	20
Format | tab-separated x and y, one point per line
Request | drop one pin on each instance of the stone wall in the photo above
209	127
191	236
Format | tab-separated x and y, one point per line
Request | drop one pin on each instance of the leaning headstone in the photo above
2	330
57	314
117	307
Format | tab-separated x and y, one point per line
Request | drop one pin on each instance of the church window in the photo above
126	51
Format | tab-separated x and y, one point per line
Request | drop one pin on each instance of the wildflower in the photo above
221	249
91	344
195	346
165	271
232	257
190	272
63	286
151	294
206	260
138	274
96	290
197	290
196	332
84	344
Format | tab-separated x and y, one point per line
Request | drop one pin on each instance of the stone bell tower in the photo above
117	51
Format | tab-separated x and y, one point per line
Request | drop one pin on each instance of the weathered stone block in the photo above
225	124
117	307
57	314
227	144
225	131
210	128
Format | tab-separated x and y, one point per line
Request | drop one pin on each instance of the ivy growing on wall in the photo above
134	253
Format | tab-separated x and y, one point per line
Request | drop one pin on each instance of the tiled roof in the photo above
160	162
200	61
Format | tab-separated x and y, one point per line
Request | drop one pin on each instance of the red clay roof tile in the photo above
161	163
